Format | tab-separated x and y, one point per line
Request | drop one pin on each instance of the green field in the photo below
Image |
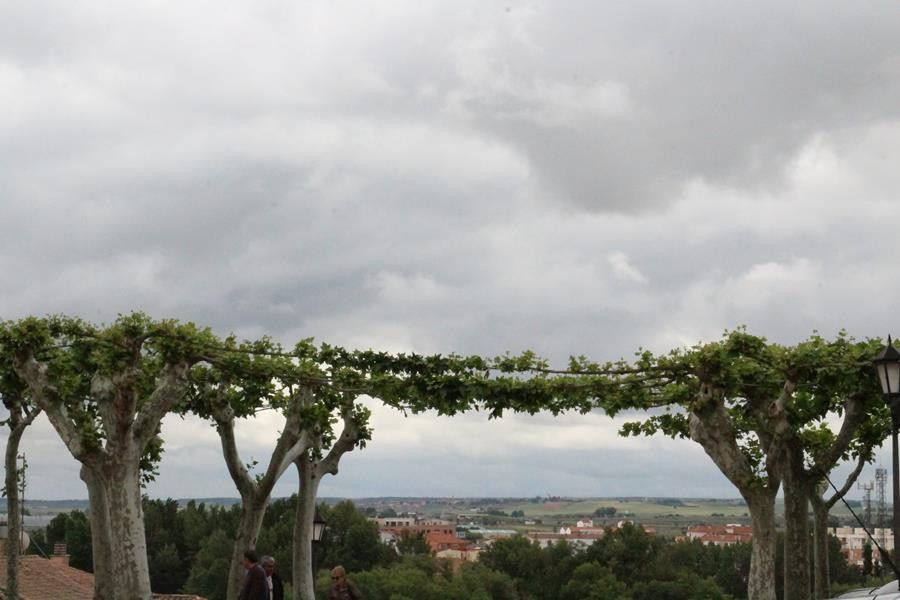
637	509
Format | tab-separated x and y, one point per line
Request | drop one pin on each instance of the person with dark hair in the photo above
341	587
255	586
276	586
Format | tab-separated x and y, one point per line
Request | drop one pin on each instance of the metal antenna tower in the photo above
867	502
880	484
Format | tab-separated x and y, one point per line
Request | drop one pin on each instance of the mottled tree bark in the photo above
101	534
796	526
761	581
126	518
821	568
304	577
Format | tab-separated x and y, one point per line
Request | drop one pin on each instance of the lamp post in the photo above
887	365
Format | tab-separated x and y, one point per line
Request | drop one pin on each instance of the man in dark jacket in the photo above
255	586
276	586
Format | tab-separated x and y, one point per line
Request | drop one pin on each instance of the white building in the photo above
853	539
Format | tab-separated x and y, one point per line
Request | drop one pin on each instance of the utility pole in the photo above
21	532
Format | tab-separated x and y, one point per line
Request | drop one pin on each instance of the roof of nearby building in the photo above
44	579
439	540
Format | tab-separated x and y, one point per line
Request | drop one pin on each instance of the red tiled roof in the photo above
443	541
43	579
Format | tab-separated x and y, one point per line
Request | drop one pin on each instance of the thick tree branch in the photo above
853	416
29	416
103	391
851	479
291	444
239	474
170	389
345	443
778	417
45	395
294	439
712	429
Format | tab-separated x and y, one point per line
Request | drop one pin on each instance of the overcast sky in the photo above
467	176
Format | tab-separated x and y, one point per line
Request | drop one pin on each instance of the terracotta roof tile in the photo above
43	579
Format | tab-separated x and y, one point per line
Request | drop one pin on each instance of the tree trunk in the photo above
821	507
13	513
129	544
101	534
253	510
19	419
304	577
761	582
117	530
821	568
310	473
796	527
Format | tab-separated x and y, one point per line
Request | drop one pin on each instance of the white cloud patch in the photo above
623	269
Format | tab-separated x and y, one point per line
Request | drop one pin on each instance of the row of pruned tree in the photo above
761	411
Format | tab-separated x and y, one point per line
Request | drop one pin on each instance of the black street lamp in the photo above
318	534
319	523
887	364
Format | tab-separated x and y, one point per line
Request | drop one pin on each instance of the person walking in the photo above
275	584
341	587
255	586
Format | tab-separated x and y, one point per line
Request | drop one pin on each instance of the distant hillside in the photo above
54	506
38	506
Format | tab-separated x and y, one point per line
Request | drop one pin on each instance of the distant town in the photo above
460	528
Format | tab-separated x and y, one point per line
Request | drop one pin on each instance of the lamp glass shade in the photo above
889	375
318	527
887	364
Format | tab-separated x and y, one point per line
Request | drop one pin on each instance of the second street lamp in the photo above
318	526
318	533
887	364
